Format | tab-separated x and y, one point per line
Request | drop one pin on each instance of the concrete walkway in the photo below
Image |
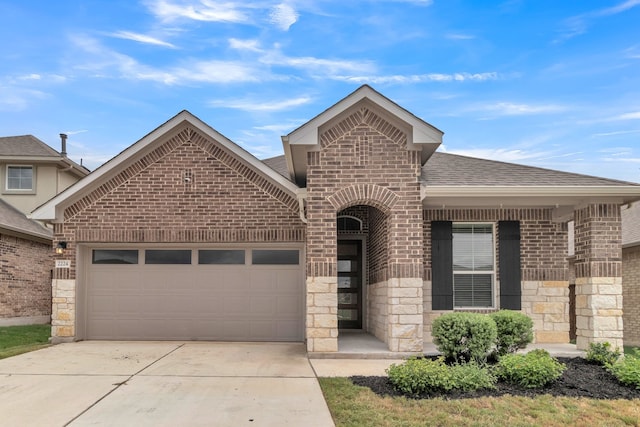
162	384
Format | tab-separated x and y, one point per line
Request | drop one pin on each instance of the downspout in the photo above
302	195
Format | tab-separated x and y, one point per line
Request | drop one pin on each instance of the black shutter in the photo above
441	265
510	276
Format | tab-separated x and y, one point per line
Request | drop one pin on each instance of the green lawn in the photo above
16	340
356	406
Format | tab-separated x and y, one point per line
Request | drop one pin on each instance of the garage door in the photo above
244	294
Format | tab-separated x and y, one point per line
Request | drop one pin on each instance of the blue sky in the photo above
549	83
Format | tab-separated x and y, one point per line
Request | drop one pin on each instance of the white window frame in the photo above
20	190
487	272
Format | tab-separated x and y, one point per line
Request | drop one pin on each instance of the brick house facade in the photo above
631	273
361	225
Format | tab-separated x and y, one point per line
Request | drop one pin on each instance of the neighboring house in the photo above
360	225
31	173
631	273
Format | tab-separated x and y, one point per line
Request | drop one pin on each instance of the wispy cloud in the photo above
258	106
514	109
501	154
14	99
202	10
421	78
251	45
281	128
283	16
459	36
577	25
141	38
634	115
616	133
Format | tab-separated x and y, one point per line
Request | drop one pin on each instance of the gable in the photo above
190	176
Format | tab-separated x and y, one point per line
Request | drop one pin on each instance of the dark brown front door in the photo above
350	284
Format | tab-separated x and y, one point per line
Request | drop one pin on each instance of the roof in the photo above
278	164
16	222
453	169
53	209
25	145
28	147
631	225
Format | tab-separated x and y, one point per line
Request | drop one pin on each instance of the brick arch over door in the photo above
364	194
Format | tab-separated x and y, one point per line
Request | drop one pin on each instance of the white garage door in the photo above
195	294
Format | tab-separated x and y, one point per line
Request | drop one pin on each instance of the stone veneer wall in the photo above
631	295
364	160
225	201
545	275
598	265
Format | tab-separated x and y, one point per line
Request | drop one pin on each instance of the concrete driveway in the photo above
108	383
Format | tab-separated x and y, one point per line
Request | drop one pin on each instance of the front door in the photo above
350	284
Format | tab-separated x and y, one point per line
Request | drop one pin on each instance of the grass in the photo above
16	340
630	350
356	406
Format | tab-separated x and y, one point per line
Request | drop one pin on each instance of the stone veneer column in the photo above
598	249
322	314
405	319
63	310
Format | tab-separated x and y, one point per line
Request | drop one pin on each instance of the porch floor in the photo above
355	344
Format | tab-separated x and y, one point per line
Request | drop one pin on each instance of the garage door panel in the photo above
195	302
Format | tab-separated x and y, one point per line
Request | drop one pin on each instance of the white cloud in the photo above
141	38
283	16
512	109
252	45
14	99
318	66
421	78
500	154
635	115
282	128
257	106
202	10
615	133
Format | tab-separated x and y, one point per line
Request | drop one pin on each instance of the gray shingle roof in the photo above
453	169
631	225
278	164
14	220
25	145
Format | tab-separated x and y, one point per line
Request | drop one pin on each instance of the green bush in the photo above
464	336
532	370
515	331
416	376
627	370
601	353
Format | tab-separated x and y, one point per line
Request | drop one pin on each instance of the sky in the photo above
547	83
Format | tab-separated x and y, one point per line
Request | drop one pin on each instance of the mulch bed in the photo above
580	379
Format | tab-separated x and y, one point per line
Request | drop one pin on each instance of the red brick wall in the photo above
543	243
150	201
631	295
364	161
598	241
25	277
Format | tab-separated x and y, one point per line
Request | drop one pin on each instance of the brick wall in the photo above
151	201
631	295
25	277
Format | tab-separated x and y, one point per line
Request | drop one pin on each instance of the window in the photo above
19	177
473	265
221	256
275	257
349	223
115	256
167	256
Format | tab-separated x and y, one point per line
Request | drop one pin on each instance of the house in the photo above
361	225
31	173
631	273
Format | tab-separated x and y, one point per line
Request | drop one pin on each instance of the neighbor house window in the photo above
473	265
19	177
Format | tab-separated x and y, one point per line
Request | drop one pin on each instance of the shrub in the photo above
532	370
515	331
601	353
627	370
416	376
464	336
